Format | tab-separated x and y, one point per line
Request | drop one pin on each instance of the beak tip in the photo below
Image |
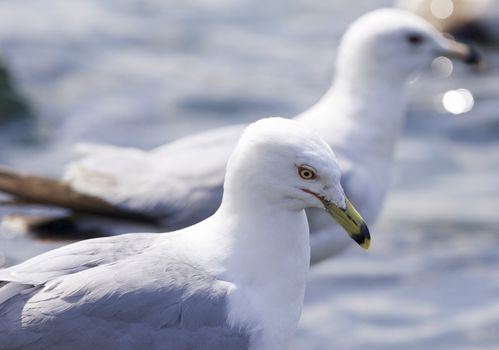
363	238
366	244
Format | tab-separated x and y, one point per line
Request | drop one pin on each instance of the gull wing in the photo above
180	182
87	296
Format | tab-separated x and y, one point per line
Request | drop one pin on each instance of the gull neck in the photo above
363	118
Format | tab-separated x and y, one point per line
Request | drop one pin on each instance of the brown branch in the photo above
43	190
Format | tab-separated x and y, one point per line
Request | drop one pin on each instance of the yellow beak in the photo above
351	221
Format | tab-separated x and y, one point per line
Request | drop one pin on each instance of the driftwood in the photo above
32	189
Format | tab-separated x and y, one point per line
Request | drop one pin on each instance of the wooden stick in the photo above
43	190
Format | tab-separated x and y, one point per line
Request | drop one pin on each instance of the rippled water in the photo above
141	73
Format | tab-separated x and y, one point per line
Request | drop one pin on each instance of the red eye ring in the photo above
307	172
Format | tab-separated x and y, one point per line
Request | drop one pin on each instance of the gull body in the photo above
360	117
233	281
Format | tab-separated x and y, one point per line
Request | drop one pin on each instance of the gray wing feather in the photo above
180	181
76	257
134	302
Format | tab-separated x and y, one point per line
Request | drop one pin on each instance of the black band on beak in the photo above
473	57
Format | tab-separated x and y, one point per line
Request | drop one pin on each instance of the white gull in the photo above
233	281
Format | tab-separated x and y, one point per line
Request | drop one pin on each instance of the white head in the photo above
392	44
279	162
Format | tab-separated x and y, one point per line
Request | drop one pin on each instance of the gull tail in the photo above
33	189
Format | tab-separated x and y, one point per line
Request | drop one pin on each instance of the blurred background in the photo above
141	73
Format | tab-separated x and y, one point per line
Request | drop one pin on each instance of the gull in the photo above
233	281
360	117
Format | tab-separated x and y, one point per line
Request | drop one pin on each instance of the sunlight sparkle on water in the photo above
458	101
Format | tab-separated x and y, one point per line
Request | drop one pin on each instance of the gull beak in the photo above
465	53
351	221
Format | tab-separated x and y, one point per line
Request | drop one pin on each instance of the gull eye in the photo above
307	172
415	38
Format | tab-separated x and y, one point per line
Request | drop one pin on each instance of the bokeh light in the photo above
443	66
442	8
458	101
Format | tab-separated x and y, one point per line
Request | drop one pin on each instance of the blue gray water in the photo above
141	73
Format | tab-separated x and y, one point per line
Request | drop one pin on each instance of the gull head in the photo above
392	44
277	161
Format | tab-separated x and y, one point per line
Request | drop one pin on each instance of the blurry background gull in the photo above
360	116
198	288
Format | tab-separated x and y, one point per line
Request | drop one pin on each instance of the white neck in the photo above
362	114
269	247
